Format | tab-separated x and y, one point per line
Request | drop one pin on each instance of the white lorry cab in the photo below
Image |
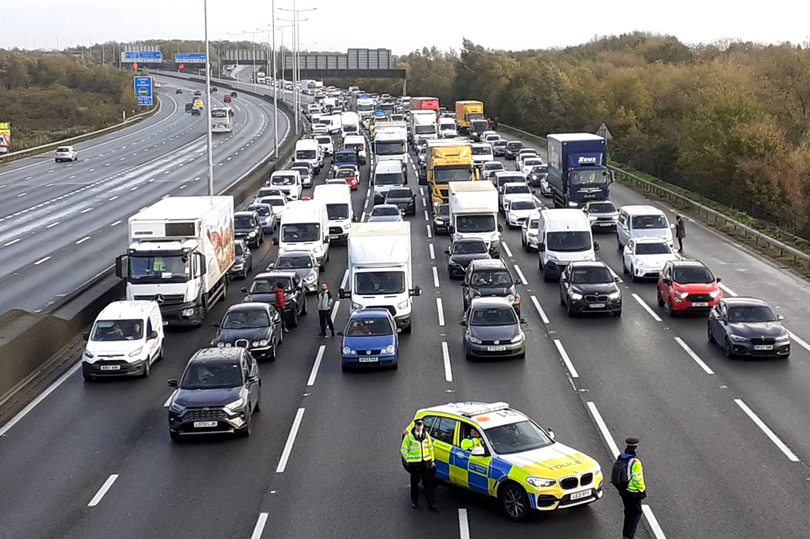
349	124
309	150
305	227
338	201
358	144
380	270
563	236
474	213
447	128
126	338
387	174
289	181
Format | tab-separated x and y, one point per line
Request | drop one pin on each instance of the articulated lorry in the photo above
380	270
474	213
448	160
180	251
466	111
577	169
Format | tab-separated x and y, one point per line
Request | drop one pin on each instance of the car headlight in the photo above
252	235
575	296
783	338
88	354
255	343
356	306
572	204
615	295
228	345
551	257
176	408
541	482
347	350
262	342
402	305
310	278
682	295
390	348
235	405
347	227
475	340
714	293
638	262
738	338
136	352
220	344
517	338
510	298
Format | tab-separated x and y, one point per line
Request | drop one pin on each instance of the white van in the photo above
357	143
387	174
349	124
563	236
641	221
309	150
126	338
305	227
338	201
289	181
447	128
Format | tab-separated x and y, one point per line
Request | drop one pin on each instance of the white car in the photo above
337	181
482	152
319	130
524	154
278	202
529	233
602	214
514	190
66	153
385	213
489	169
520	208
491	138
529	163
289	181
326	144
644	258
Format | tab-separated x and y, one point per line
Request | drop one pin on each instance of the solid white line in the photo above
316	366
463	524
41	260
647	307
432	253
116	223
566	359
799	341
52	224
694	356
169	400
440	308
84	239
448	371
600	423
520	274
285	455
363	218
12	242
653	522
335	310
103	490
365	206
728	291
42	396
260	524
506	249
422	191
345	278
435	277
768	432
429	234
427	218
540	310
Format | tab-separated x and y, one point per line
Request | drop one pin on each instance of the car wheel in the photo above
515	502
709	333
617	313
273	352
619	243
175	436
146	368
294	321
728	349
668	309
258	407
633	274
546	278
304	311
660	300
408	328
245	432
569	311
523	243
88	377
562	299
624	267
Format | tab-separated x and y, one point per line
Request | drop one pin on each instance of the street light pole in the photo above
275	84
209	137
296	60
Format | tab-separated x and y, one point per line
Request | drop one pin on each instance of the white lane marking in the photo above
427	218
694	356
71	177
799	341
12	242
84	239
86	210
422	191
285	455
432	253
345	278
728	291
540	310
566	359
335	310
440	308
647	307
103	490
21	195
169	400
768	432
363	218
600	423
116	223
448	371
365	206
520	274
112	198
41	260
463	524
435	277
424	202
134	188
653	522
316	366
260	524
429	234
52	224
506	249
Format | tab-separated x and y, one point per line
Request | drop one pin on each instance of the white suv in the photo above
66	153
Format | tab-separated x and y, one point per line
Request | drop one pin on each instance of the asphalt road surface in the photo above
710	427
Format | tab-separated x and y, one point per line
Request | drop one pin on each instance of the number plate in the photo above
204	424
763	347
597	305
111	367
580	495
700	304
605	224
496	348
368	359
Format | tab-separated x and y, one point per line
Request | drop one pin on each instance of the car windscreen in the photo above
302	171
444	210
515	189
238	248
300	232
750	314
389	178
481	150
509	178
276	202
475	223
591	276
379	282
263	210
355	146
324	140
490	278
695	275
293	261
533	223
523	205
469	247
641	222
568	241
305	154
246	319
369	327
443	175
489	167
385	210
338	211
531	162
601	207
267	285
497	316
540	169
424	129
63	149
653	249
516	438
514	146
242	221
118	330
396	147
345	157
346	173
211	375
284	180
499	143
400	193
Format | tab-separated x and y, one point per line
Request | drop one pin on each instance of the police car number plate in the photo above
700	304
204	424
368	359
111	367
580	495
496	348
763	347
597	305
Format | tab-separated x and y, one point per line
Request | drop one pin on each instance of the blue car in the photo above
370	340
268	218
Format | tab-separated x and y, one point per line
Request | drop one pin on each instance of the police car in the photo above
514	459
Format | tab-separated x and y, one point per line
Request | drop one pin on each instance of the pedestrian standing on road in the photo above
325	301
680	232
281	305
489	123
417	450
495	124
628	478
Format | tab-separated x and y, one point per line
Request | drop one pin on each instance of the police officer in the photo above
468	444
628	477
417	450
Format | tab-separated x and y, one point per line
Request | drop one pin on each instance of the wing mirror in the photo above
86	335
244	290
343	294
500	227
596	246
541	247
447	251
451	229
718	279
463	323
172	383
550	432
275	241
215	324
415	291
780	317
340	333
153	335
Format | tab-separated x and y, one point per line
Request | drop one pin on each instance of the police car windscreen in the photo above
380	282
517	437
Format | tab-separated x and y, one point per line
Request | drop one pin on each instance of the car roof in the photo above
225	355
379	312
120	310
641	209
243	213
275	274
469	240
589	264
650	239
488	263
388	166
384	206
684	262
248	306
295	254
490	302
743	301
483	414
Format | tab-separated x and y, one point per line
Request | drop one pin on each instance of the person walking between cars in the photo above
325	302
628	478
495	124
281	305
680	232
417	451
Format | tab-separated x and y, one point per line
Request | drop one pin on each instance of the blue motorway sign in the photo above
189	58
143	89
142	56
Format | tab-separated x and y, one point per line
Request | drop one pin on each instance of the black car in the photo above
213	88
512	149
247	225
196	111
493	330
197	93
537	175
462	252
218	393
590	287
189	107
255	326
263	289
233	94
748	327
243	262
441	220
485	278
403	198
499	148
179	91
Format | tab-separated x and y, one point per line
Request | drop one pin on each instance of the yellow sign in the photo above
5	135
198	103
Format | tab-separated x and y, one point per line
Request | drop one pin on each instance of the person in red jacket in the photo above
281	305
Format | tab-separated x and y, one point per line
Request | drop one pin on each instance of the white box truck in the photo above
423	126
391	142
180	251
474	213
380	270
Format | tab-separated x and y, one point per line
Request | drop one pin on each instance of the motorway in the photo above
62	224
724	442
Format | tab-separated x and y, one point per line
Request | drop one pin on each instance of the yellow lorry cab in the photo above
448	160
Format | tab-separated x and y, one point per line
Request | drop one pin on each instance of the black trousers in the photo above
325	318
423	471
680	243
632	514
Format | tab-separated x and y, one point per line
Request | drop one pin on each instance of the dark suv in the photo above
590	287
217	394
485	278
263	289
247	225
512	149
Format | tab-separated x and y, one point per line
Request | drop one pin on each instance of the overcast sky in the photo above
404	25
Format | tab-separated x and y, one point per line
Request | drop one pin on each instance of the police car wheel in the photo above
515	502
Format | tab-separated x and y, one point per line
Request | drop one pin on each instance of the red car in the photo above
350	175
226	99
687	285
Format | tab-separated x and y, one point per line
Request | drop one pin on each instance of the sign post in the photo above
189	58
5	137
143	89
